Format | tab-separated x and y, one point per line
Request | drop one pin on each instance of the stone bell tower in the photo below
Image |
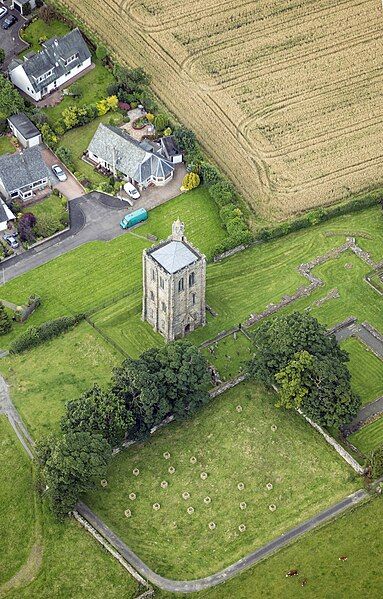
174	283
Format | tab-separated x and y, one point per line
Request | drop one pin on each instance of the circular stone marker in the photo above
166	455
171	470
156	506
212	525
190	510
164	484
240	486
272	507
241	528
203	475
185	495
207	500
136	472
132	496
239	409
269	486
104	482
193	460
274	427
243	505
128	513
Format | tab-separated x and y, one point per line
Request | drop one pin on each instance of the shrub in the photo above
48	330
375	462
25	227
101	52
190	181
49	136
48	13
186	139
65	155
116	119
5	321
222	193
210	174
161	121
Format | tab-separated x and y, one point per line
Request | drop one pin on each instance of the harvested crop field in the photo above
283	94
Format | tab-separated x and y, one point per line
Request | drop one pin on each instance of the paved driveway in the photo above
70	188
10	40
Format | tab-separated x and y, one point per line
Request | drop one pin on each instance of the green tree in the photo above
186	139
71	465
320	387
10	99
375	462
98	411
276	342
2	55
101	52
5	321
66	156
161	121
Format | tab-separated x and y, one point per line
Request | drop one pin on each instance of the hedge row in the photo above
318	216
48	330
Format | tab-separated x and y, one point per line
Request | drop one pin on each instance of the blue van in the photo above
138	216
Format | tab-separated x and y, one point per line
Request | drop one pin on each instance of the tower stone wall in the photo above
174	286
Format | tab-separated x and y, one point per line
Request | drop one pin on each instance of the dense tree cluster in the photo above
172	380
296	353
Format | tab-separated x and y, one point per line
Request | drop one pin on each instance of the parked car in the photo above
12	241
9	21
131	191
138	216
58	171
3	11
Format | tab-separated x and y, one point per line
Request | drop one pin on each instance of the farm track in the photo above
216	107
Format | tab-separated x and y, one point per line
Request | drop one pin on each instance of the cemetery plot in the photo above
235	476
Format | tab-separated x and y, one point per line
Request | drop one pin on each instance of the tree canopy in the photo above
10	99
296	353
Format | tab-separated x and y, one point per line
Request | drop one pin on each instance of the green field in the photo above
316	557
60	283
231	447
366	370
229	355
43	379
369	437
17	510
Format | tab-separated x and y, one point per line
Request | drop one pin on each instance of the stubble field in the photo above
284	95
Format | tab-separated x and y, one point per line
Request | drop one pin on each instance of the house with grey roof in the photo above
21	6
60	60
115	151
24	130
23	174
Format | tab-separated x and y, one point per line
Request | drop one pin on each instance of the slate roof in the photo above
130	157
174	255
24	125
170	147
53	55
23	168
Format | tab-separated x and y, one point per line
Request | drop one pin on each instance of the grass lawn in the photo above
232	447
16	503
316	557
61	283
6	146
366	370
51	208
229	355
93	87
43	379
75	566
77	140
39	30
369	437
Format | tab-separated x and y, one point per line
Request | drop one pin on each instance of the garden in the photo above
43	219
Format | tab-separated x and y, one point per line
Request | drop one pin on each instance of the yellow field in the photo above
285	95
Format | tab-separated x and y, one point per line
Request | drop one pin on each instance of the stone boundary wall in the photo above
114	553
373	331
338	448
228	385
228	253
342	325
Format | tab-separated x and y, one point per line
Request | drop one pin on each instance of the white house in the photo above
24	130
6	216
23	174
20	5
60	60
138	161
170	149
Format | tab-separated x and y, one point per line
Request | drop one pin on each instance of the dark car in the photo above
9	21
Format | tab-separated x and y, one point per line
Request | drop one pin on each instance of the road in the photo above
93	217
190	586
9	39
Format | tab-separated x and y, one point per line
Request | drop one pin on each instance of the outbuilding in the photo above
23	6
24	130
6	216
